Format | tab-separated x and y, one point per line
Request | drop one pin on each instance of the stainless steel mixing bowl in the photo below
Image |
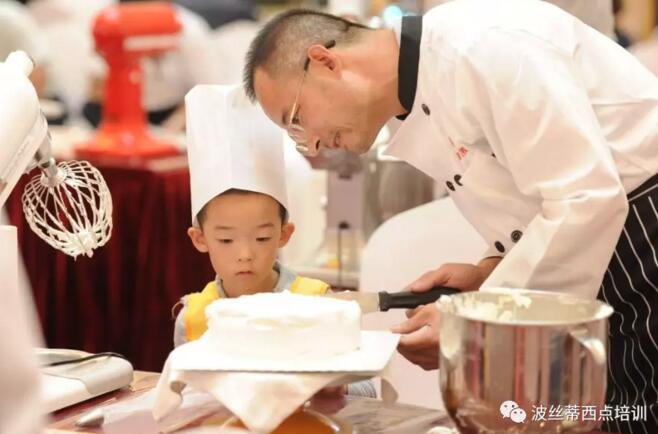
502	358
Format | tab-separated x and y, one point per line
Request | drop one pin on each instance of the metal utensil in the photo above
93	418
69	206
383	301
547	352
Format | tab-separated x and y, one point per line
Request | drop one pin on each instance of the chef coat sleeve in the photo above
534	109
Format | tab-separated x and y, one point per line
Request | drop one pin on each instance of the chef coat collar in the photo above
410	34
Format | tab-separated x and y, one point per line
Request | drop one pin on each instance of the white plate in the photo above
376	350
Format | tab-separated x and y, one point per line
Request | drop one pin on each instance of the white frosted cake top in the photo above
285	307
284	325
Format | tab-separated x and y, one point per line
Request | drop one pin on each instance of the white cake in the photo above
284	325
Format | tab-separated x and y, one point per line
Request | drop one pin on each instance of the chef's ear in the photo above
198	239
320	54
287	230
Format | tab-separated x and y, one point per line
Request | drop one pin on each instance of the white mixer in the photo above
69	206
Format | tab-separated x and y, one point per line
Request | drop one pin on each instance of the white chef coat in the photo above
596	13
539	126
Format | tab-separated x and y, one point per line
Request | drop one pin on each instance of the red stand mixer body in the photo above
125	33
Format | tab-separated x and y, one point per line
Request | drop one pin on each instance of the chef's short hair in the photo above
201	215
281	44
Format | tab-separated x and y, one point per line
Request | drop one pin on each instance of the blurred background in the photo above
351	212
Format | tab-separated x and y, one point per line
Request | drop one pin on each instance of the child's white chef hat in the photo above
231	144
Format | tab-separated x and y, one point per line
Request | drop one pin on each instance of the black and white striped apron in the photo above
630	285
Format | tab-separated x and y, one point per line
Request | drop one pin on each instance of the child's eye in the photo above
225	241
263	239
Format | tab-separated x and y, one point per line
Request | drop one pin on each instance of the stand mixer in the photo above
337	259
69	206
354	207
124	33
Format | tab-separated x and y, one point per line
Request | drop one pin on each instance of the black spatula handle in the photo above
411	300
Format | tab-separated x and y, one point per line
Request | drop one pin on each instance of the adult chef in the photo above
544	131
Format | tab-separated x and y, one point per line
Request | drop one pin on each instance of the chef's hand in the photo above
330	400
420	341
467	277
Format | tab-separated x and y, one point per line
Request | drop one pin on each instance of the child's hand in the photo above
330	399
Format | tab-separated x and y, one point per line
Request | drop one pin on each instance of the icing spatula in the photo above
383	301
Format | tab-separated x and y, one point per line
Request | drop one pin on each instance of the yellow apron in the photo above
195	320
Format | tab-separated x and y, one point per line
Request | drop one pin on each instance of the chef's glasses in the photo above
294	128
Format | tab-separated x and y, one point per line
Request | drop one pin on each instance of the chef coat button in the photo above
499	246
450	186
425	109
458	180
516	235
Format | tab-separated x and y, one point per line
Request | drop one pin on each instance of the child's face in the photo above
242	234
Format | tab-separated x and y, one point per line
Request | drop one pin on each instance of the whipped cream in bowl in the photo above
522	307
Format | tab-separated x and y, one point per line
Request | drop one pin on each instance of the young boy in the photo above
239	201
239	206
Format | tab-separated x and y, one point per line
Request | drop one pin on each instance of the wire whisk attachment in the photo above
69	206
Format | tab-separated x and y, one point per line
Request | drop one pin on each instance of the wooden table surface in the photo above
63	421
367	416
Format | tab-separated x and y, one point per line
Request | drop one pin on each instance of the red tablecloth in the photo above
121	298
